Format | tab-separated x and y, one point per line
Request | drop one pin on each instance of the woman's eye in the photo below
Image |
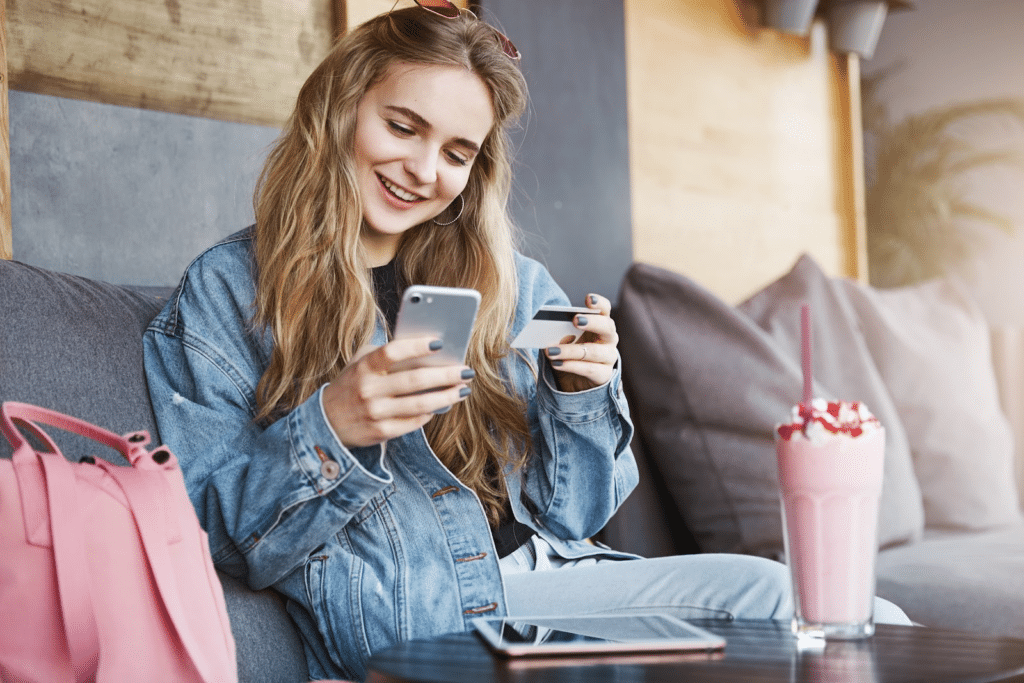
457	159
399	128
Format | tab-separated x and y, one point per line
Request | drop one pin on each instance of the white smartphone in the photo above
445	313
652	632
551	326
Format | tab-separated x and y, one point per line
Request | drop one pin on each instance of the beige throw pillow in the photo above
932	348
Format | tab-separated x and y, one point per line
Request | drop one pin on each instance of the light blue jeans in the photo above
539	583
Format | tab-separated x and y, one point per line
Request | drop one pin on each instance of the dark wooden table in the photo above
755	651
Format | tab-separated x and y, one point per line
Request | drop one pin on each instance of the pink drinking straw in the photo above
805	356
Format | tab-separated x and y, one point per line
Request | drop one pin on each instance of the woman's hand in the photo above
590	361
371	401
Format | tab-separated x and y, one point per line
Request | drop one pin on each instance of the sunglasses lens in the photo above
448	10
507	45
442	7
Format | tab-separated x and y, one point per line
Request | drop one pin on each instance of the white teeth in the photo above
398	192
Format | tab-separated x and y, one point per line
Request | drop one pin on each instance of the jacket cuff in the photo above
579	406
327	464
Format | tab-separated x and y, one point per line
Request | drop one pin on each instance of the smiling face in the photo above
418	133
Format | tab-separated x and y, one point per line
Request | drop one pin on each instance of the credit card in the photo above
550	326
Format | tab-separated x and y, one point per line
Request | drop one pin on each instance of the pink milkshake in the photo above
830	458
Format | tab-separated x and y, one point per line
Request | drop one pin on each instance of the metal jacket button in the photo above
330	469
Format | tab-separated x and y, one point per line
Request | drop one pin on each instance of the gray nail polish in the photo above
581	321
557	363
464	392
436	345
554	350
468	373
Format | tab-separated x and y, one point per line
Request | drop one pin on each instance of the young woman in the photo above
317	467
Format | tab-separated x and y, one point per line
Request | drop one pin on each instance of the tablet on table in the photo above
652	632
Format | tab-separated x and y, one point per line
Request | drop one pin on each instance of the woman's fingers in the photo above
383	410
583	351
593	356
384	394
389	357
600	303
403	367
426	379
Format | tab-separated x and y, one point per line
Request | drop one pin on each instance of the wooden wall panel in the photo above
358	11
5	148
850	180
238	60
740	148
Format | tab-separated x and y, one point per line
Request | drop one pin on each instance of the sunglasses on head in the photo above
448	10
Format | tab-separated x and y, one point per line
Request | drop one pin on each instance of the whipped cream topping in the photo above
823	419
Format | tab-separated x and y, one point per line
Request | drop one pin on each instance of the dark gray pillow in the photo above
74	345
711	381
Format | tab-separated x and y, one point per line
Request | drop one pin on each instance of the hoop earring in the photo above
462	206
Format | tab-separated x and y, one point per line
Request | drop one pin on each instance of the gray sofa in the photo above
707	382
74	345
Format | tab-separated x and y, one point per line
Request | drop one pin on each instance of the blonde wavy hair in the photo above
314	292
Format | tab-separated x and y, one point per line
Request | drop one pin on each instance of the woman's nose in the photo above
422	165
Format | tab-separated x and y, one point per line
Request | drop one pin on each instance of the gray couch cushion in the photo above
968	581
712	381
266	641
75	345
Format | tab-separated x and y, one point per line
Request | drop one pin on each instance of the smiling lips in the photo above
398	192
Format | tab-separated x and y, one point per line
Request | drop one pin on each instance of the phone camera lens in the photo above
415	298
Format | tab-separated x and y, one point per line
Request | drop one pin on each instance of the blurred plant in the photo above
921	220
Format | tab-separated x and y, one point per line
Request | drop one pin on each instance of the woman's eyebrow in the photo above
423	123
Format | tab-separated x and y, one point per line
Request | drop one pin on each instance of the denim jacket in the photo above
373	545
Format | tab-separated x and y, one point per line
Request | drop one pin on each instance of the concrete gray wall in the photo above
125	195
131	196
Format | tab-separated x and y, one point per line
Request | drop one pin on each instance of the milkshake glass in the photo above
830	460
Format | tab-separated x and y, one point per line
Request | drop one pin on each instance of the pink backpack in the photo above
105	573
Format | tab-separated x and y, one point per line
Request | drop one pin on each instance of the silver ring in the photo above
584	352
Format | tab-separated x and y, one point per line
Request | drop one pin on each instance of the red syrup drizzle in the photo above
829	420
